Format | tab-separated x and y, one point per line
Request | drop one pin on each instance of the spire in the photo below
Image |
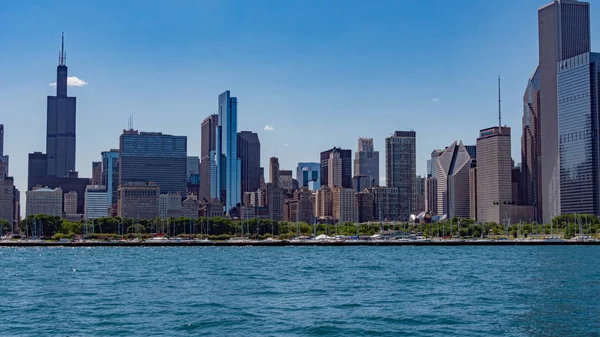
499	108
62	57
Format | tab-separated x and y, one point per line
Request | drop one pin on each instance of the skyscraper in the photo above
248	149
400	168
228	164
153	157
110	176
531	154
346	156
208	162
60	127
564	32
578	124
274	171
1	140
96	173
308	174
366	160
453	167
334	167
36	168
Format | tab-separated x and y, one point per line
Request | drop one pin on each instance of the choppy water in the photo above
300	291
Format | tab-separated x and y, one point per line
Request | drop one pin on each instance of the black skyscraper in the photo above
346	156
60	129
248	150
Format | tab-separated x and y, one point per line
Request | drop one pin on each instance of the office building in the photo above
366	161
36	168
419	196
155	157
96	173
564	32
110	176
208	164
290	210
285	179
344	208
70	203
473	192
3	158
228	166
275	202
212	208
578	125
306	205
346	156
400	168
308	175
193	170
7	198
67	184
248	150
432	163
324	202
274	171
385	201
60	127
139	200
531	154
190	207
431	195
362	182
96	202
169	205
334	169
453	165
43	200
364	204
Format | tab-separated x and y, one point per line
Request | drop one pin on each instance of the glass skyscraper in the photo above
308	175
228	165
110	175
578	134
400	168
154	157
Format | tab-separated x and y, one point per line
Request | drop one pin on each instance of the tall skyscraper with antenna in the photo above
60	127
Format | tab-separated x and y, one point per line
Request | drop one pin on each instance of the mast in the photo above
499	108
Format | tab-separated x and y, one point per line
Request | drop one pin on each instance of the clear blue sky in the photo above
322	73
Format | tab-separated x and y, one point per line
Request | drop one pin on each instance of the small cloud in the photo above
269	128
285	145
435	99
72	81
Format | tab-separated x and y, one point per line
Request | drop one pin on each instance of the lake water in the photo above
300	291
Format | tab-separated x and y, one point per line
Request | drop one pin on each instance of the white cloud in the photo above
269	128
72	81
435	99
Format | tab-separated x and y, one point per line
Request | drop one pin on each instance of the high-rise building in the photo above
364	203
564	32
60	127
366	160
7	199
385	201
334	169
208	162
169	205
70	203
344	208
324	202
431	194
362	182
473	191
346	156
96	173
248	150
306	205
1	140
153	157
190	207
290	210
432	163
308	175
275	202
138	200
43	200
193	170
400	168
285	179
96	202
578	124
36	168
110	176
453	165
531	154
274	171
228	163
419	196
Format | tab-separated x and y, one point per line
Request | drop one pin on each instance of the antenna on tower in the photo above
62	57
499	108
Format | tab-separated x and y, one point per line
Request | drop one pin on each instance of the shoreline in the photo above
295	243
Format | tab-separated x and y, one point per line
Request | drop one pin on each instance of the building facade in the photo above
400	168
70	202
431	195
364	204
274	171
362	182
346	156
110	176
208	149
306	205
366	161
286	181
96	202
248	150
334	169
385	207
564	32
228	164
275	201
96	173
138	200
7	199
453	191
153	157
531	154
344	208
43	200
308	175
324	202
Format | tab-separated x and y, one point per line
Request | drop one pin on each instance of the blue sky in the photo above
321	73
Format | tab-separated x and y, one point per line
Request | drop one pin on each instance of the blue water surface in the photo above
300	291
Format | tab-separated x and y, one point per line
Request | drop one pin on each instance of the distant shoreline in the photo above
184	243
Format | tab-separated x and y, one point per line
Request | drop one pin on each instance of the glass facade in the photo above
578	134
110	175
154	157
307	173
229	165
400	168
